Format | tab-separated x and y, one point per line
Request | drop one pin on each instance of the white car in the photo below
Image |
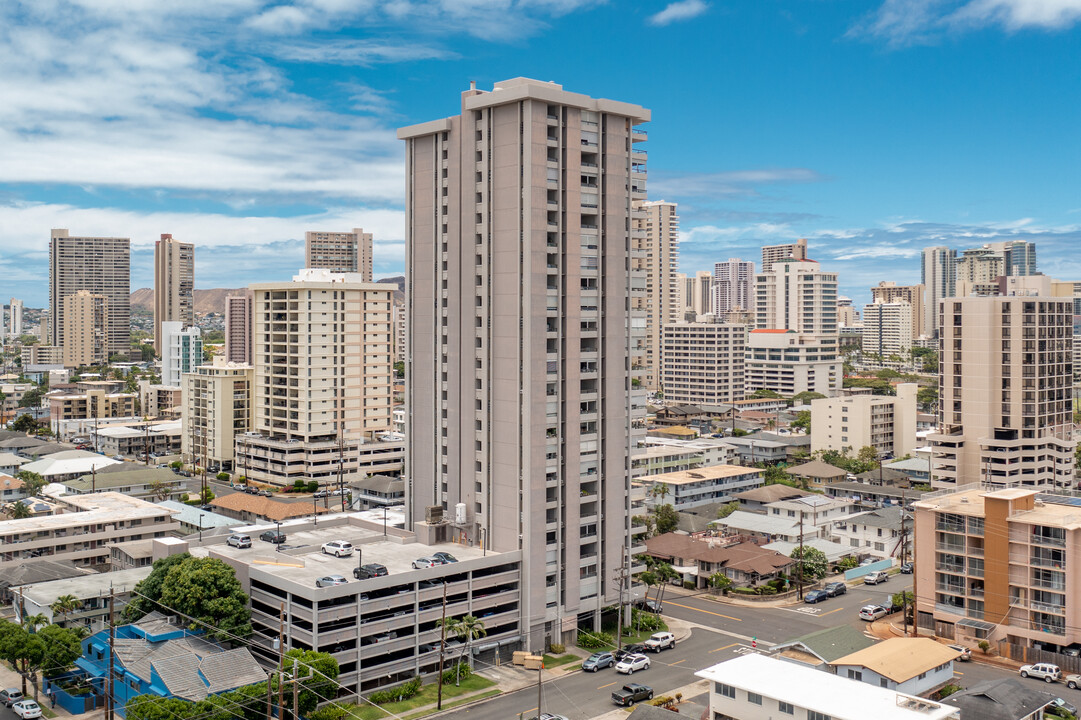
1044	671
872	612
629	664
1073	681
660	641
424	562
27	709
338	548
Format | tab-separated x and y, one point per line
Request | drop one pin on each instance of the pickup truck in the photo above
660	641
631	693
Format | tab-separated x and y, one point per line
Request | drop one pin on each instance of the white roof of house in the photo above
7	459
832	695
69	462
756	522
832	551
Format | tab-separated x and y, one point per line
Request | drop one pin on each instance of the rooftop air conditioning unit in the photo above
433	514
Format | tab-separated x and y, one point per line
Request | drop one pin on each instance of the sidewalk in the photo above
11	679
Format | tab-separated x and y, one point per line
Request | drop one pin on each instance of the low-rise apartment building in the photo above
756	687
146	439
702	486
656	455
790	363
146	483
91	403
80	532
885	422
42	355
157	401
382	630
92	591
999	565
876	532
702	362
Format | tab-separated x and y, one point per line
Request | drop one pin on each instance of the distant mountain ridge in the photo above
213	300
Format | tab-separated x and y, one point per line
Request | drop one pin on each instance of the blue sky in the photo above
871	127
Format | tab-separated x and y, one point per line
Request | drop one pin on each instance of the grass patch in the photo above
426	696
572	668
552	661
639	636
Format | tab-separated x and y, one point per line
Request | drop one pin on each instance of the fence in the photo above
858	572
1070	664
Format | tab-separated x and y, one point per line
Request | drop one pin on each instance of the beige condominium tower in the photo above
238	328
788	251
340	252
100	265
85	317
656	235
522	336
174	285
1005	408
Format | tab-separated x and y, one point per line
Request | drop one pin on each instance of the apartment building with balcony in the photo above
339	252
885	422
384	630
888	291
100	266
655	238
174	286
887	329
322	381
92	591
1005	392
90	404
217	406
999	564
525	341
702	362
83	527
703	485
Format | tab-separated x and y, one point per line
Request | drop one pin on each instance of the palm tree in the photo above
160	490
467	628
65	605
18	510
660	490
33	622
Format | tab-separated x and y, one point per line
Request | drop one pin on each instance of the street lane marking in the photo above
677	662
723	648
602	687
708	612
802	610
957	672
831	611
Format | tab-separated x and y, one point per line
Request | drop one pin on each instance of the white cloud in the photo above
678	12
907	22
735	182
358	52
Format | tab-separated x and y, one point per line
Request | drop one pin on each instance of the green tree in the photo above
665	574
18	511
399	369
466	628
727	509
32	482
773	475
764	394
902	599
667	519
155	707
25	423
802	421
927	395
65	605
23	649
207	590
160	489
318	674
812	560
62	648
660	491
148	590
33	622
648	522
719	581
649	579
31	399
805	397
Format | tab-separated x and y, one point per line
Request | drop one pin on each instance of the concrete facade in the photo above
238	325
101	266
656	237
1005	378
702	362
788	251
181	351
217	405
938	275
733	287
522	337
887	329
174	285
889	291
85	333
340	252
885	422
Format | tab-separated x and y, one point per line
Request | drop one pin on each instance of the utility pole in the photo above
296	690
799	583
110	697
442	649
281	661
269	694
341	482
540	671
621	577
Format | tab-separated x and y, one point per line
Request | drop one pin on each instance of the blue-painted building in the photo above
156	656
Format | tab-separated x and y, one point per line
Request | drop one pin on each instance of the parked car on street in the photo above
1063	705
651	606
874	578
1073	681
239	541
631	693
629	664
10	696
26	709
632	649
598	661
906	568
872	612
815	596
1044	671
660	641
966	654
834	589
338	548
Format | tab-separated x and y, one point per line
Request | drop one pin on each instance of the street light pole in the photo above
200	529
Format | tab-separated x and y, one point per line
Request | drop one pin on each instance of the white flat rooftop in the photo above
811	689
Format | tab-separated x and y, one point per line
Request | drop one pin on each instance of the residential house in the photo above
756	499
68	465
193	520
92	591
918	469
820	648
876	533
752	450
815	510
916	666
156	656
259	509
378	491
1009	699
764	528
703	485
817	473
744	563
757	687
11	489
10	463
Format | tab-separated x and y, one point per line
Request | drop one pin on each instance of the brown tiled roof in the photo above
265	507
10	483
816	469
747	557
770	493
